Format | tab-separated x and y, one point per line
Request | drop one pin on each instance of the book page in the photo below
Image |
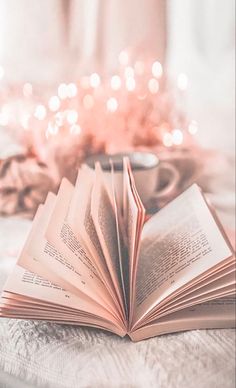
214	283
218	313
31	305
25	284
221	287
207	277
80	219
37	248
79	215
34	287
23	301
38	269
134	214
59	234
122	250
31	285
130	212
85	177
178	244
103	215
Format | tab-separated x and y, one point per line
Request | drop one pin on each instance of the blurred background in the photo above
55	40
83	77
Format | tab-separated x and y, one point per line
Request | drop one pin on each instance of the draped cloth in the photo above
43	39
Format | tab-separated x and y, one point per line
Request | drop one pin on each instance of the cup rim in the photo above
148	160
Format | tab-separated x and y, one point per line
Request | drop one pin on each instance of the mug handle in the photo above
174	178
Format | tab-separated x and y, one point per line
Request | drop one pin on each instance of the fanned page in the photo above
60	234
81	220
38	298
122	249
218	313
103	215
134	214
182	251
53	253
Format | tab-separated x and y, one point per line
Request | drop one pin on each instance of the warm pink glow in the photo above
75	129
94	80
139	67
88	101
123	58
72	116
59	119
129	72
54	103
112	104
130	84
52	129
25	120
62	91
177	136
40	112
130	99
167	139
142	97
115	82
157	70
84	82
153	85
27	89
72	90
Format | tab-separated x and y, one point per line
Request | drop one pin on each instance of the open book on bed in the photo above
93	259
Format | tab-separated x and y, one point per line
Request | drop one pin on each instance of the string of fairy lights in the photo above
131	105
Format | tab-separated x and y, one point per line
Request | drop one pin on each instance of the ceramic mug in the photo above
147	170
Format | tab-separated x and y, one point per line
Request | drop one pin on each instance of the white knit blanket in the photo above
57	356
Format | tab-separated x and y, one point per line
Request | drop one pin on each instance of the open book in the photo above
92	258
